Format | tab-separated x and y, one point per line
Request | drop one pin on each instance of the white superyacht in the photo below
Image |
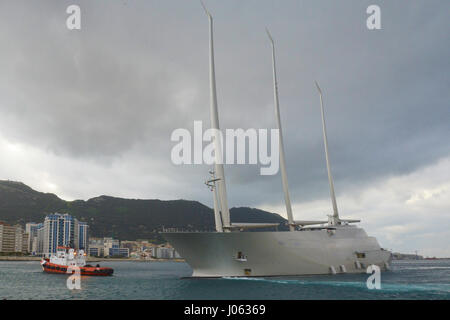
308	248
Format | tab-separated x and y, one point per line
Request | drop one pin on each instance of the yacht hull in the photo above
346	249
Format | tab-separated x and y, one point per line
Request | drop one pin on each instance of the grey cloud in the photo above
137	70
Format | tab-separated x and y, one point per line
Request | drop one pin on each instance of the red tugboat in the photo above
67	258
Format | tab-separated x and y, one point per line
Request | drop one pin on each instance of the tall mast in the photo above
218	166
287	199
325	142
217	216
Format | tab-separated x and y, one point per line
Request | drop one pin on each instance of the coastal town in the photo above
36	240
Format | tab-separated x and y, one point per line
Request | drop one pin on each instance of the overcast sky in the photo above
90	112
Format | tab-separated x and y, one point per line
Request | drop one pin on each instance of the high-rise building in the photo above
40	240
62	230
32	230
12	238
52	229
81	235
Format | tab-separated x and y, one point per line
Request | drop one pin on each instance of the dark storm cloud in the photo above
115	90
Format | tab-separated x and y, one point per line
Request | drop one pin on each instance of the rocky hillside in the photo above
125	219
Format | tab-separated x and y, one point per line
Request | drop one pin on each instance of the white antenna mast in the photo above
325	142
218	166
282	157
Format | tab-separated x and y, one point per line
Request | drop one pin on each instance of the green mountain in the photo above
125	219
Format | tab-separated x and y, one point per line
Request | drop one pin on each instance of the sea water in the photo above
417	279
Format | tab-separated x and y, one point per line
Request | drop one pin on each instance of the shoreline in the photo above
27	258
89	259
134	260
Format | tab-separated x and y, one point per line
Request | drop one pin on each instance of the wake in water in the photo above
424	268
390	287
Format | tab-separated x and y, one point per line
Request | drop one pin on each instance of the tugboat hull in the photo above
84	271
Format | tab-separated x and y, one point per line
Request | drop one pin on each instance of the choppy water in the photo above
162	280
